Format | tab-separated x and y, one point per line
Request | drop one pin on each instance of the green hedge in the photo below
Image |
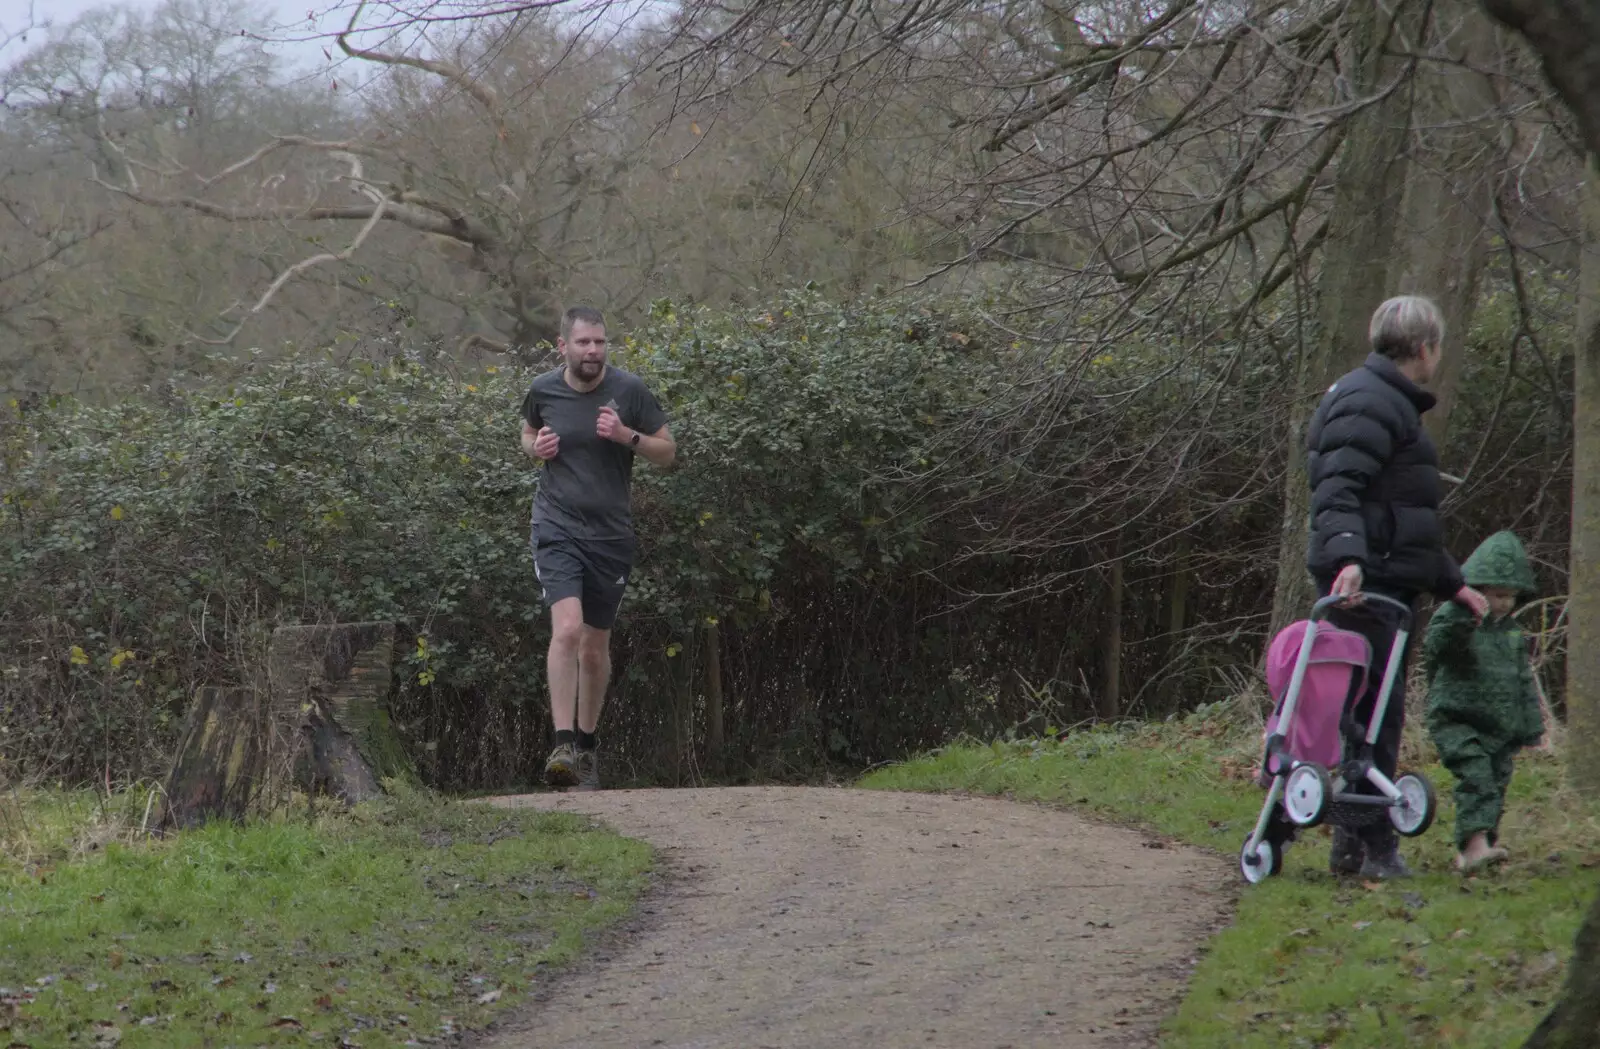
148	547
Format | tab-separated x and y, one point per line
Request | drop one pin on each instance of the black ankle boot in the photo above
1347	853
1383	860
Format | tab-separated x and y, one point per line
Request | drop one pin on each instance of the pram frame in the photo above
1408	798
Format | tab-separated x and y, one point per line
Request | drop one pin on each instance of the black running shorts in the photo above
595	572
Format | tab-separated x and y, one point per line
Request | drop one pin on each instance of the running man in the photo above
584	421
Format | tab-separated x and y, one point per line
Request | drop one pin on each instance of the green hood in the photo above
1500	560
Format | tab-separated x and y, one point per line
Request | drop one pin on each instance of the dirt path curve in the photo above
821	918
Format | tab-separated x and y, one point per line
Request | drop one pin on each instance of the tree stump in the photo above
333	683
322	720
220	763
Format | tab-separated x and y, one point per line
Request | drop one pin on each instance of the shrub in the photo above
149	546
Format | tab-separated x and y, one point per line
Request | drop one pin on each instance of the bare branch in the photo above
284	142
1566	35
483	93
57	247
465	229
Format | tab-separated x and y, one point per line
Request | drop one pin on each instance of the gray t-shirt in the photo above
583	491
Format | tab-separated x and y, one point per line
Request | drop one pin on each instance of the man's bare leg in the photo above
561	669
594	674
566	630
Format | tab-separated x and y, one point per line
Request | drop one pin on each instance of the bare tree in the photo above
128	96
1566	36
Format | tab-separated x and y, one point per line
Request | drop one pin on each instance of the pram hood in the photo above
1335	672
1331	645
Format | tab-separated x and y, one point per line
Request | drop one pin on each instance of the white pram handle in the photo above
1320	610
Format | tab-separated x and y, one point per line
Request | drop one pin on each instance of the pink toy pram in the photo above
1316	672
1336	673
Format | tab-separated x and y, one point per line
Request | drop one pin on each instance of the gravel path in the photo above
822	918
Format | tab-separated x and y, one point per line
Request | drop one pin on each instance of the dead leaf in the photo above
489	996
1361	925
323	1001
1459	934
106	1033
115	959
288	1023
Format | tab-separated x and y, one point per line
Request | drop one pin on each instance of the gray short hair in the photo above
1403	325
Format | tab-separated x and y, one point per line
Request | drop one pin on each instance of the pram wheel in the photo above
1306	794
1260	863
1416	815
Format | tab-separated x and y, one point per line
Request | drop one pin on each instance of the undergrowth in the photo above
1312	961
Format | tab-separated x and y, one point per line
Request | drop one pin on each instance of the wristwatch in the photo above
633	442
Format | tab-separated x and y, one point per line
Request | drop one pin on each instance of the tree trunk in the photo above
713	697
1583	606
1356	260
219	768
331	685
1450	189
682	718
1177	623
1109	706
1566	35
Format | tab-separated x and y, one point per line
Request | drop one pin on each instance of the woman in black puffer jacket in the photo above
1375	524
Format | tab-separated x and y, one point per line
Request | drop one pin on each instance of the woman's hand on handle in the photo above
1347	584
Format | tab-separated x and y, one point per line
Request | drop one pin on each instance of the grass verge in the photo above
1310	961
407	923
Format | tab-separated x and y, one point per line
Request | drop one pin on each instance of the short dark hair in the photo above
586	314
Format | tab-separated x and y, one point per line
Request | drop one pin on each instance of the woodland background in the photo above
988	333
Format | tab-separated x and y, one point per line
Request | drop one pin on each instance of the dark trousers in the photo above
1378	623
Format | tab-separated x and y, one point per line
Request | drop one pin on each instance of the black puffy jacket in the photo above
1375	487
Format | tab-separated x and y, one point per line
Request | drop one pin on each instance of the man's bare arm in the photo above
658	447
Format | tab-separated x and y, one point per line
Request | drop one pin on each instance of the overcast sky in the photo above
289	15
297	25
